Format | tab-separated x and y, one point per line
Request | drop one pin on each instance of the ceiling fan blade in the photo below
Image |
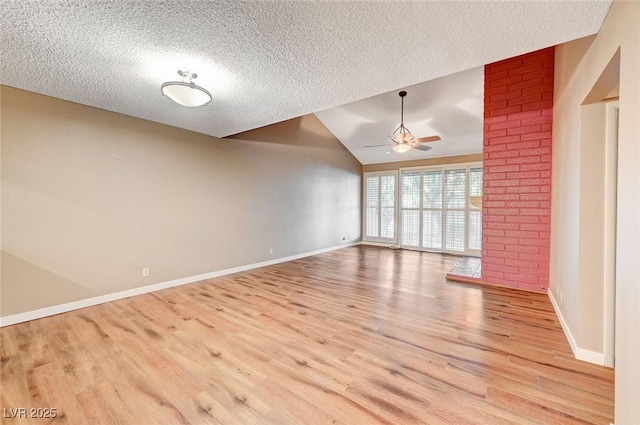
375	146
422	148
389	151
428	139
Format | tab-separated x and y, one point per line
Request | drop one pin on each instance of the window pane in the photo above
373	189
475	230
454	228
432	189
455	182
475	208
387	211
388	191
372	222
380	204
410	228
431	229
411	190
371	201
475	182
387	223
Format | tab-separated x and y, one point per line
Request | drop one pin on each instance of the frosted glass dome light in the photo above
402	147
186	93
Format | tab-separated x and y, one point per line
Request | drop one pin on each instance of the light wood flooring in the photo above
358	336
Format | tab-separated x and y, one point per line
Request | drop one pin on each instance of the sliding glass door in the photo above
441	209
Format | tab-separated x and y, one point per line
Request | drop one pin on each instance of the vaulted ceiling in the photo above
266	62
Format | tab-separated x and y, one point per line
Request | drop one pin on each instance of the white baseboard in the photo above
579	353
383	244
590	356
88	302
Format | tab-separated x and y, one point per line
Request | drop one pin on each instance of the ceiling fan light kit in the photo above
401	147
403	139
185	92
402	133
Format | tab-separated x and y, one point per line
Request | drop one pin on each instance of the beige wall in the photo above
590	323
90	197
579	65
390	166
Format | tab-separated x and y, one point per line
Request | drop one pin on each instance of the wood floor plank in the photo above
95	408
14	391
362	335
49	389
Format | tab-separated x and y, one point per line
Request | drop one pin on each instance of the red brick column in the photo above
516	208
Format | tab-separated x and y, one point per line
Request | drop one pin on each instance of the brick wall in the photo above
518	101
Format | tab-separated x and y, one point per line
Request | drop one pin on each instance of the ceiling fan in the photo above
402	138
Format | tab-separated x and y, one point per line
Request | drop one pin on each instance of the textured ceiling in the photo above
264	62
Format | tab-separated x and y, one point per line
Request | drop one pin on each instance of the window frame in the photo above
467	166
379	239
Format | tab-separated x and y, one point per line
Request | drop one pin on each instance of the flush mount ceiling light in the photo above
185	92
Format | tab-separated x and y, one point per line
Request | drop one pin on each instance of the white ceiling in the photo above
450	107
266	62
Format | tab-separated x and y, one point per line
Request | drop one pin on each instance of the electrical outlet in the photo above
145	272
270	250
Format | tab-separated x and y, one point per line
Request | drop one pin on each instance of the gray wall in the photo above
90	197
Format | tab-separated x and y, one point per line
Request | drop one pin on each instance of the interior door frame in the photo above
610	228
